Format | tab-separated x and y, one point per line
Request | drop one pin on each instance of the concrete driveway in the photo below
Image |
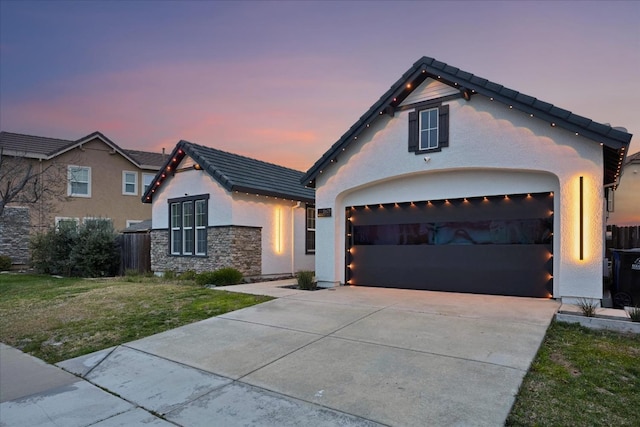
348	356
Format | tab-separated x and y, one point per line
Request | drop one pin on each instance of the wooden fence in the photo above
135	252
623	237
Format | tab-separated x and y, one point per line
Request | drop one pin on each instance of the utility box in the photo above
625	289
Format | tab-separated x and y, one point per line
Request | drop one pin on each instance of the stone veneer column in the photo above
227	246
15	225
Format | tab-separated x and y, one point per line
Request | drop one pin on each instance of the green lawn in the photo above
57	319
581	377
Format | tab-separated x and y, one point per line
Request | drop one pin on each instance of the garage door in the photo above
499	245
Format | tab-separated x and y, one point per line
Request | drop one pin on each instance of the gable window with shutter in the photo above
428	128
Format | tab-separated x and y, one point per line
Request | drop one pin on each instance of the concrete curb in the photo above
619	325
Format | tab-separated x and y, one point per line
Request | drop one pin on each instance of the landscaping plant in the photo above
305	280
222	277
587	306
86	250
634	313
5	263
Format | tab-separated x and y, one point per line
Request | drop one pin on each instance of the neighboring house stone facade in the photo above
213	209
14	235
451	182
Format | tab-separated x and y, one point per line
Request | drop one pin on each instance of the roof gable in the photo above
44	148
236	173
615	142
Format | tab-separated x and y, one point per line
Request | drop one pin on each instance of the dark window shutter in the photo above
443	126
413	131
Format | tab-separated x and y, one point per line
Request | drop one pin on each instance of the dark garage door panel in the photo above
492	245
518	270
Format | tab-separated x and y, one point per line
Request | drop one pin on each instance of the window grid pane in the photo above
201	230
429	129
187	227
146	180
79	180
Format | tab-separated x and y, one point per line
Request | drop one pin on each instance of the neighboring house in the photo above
214	209
97	178
450	182
625	209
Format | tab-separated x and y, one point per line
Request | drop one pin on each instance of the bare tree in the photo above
30	182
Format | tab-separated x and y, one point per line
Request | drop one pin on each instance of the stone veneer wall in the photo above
15	225
227	246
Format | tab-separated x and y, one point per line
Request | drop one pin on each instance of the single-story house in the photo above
214	209
451	182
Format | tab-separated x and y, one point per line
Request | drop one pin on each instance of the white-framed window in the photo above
88	219
188	223
62	221
130	183
428	129
310	220
201	227
130	222
147	179
79	181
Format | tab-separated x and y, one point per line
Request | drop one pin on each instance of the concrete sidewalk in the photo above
345	356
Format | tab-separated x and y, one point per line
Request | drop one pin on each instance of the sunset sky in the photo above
282	81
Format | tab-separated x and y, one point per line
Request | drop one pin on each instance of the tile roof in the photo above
40	147
32	145
615	142
238	173
147	158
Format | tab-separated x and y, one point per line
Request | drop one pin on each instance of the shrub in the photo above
5	263
187	275
88	250
305	280
588	306
51	250
634	313
95	252
222	277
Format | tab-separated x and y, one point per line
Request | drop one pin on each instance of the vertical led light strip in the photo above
581	218
278	230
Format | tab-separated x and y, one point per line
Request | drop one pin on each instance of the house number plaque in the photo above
324	212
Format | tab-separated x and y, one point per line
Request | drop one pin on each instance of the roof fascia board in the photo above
260	192
158	179
25	154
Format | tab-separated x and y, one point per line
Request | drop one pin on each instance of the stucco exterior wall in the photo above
282	222
106	201
492	150
627	197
